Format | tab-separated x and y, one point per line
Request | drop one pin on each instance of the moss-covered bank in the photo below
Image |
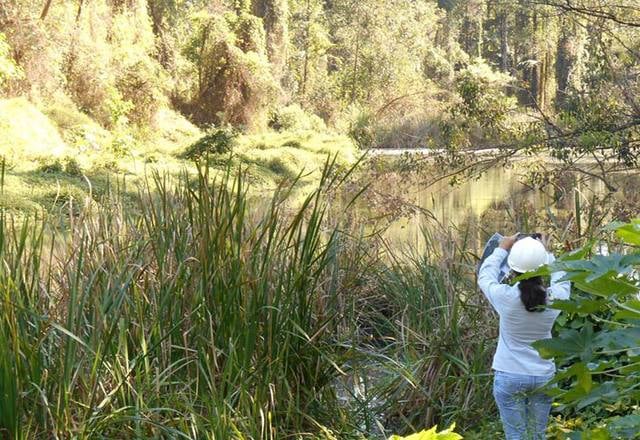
56	154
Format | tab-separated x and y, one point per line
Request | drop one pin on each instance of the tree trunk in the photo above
480	32
504	44
45	10
534	79
542	82
567	57
354	85
305	66
80	4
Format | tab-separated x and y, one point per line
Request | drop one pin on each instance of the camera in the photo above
535	235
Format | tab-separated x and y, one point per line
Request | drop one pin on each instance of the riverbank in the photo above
55	155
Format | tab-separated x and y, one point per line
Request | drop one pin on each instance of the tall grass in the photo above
188	318
202	311
435	339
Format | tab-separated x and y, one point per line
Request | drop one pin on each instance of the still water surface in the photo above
500	200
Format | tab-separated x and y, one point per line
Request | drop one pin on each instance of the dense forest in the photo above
198	200
392	73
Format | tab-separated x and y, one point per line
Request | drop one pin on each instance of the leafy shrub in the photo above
122	141
138	75
72	167
295	118
140	86
119	108
66	116
292	144
51	166
479	113
68	166
87	71
599	335
236	84
483	100
362	130
216	141
108	163
280	167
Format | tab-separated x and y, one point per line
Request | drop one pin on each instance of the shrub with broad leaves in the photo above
597	346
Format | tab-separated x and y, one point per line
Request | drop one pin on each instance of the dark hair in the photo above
533	294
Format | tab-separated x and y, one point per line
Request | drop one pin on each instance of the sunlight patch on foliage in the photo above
431	434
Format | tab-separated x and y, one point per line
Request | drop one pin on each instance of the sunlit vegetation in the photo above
191	315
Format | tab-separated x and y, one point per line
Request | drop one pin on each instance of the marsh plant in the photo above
188	318
197	309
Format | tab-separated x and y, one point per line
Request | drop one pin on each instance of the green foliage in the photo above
294	118
215	142
72	167
66	116
208	307
597	119
229	73
483	101
69	166
51	166
280	167
8	68
362	131
118	108
418	315
41	139
598	345
137	75
122	140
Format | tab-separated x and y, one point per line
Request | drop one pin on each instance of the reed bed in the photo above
433	339
204	312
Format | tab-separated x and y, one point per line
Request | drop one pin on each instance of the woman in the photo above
519	369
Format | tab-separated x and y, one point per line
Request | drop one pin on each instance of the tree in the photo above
275	16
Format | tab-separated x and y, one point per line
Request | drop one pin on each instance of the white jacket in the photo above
518	327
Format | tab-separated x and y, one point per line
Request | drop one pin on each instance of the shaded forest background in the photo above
391	73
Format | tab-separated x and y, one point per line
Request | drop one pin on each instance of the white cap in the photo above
527	255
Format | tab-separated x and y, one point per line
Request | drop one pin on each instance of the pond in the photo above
502	199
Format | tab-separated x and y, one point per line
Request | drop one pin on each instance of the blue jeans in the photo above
524	409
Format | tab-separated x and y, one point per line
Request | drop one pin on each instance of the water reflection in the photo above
499	200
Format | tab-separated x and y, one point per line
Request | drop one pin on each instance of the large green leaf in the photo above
600	265
580	305
591	434
630	233
604	286
600	339
605	391
629	310
570	344
625	427
583	375
627	338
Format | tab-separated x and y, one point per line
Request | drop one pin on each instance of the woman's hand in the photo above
507	242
